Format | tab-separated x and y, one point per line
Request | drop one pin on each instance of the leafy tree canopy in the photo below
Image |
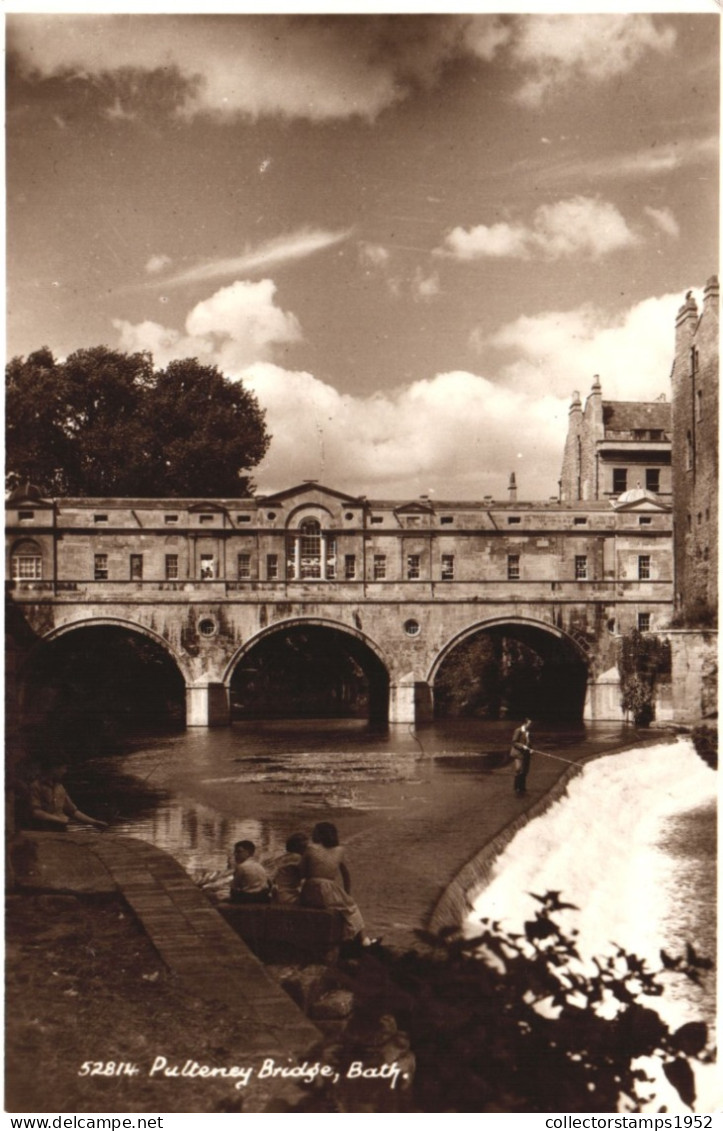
104	422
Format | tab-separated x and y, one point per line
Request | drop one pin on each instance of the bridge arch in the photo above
89	682
368	667
530	667
114	622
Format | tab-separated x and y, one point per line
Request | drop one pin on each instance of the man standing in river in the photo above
521	751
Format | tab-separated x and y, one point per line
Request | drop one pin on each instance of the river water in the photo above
632	842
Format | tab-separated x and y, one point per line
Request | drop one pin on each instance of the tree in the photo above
104	422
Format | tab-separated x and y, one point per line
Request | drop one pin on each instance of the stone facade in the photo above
208	579
615	446
695	457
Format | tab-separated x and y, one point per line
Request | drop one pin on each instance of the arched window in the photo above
310	548
27	562
310	553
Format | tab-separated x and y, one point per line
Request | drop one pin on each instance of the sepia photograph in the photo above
361	426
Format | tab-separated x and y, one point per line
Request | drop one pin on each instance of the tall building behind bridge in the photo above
616	446
695	457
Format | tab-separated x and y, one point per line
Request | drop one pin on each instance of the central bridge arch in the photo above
307	666
521	666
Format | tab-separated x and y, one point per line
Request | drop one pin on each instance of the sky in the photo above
412	236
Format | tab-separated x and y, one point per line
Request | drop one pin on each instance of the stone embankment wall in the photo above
694	663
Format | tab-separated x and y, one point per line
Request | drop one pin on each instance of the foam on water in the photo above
603	846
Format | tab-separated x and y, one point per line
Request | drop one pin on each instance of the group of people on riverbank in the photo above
312	873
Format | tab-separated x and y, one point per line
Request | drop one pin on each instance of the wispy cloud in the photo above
653	161
664	219
283	249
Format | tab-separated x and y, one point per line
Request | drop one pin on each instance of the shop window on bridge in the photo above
644	567
100	567
208	567
272	567
243	567
580	567
414	567
171	567
620	480
349	567
513	567
643	622
380	567
136	567
310	553
447	567
27	562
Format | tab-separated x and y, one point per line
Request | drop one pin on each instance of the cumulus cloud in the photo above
237	325
457	433
425	286
664	219
558	48
157	263
560	351
283	249
579	226
373	255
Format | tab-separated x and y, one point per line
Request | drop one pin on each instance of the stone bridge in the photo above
399	586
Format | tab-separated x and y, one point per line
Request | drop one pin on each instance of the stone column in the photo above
410	701
207	705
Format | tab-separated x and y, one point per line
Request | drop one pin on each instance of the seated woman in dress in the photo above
327	883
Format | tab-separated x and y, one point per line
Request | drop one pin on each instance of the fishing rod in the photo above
557	758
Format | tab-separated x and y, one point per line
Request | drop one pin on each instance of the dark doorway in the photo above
85	693
309	671
512	671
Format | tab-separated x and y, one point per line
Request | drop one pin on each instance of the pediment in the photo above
304	491
415	507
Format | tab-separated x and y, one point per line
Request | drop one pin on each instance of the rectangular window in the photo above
644	567
380	567
579	520
377	518
272	567
644	520
652	479
205	519
100	567
413	567
446	519
643	622
100	518
620	480
447	567
244	518
136	567
414	520
581	567
171	567
243	567
513	520
349	567
27	567
513	567
208	567
170	519
26	516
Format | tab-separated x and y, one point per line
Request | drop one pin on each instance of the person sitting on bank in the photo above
288	876
50	805
250	883
327	883
521	752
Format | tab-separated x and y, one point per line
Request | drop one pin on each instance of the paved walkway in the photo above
190	936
